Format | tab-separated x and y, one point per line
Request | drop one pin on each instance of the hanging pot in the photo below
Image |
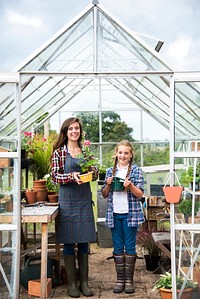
172	193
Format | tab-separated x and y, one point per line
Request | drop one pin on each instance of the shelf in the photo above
191	191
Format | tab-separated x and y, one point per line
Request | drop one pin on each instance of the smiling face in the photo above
73	132
124	154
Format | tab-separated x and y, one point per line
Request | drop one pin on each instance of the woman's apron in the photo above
76	218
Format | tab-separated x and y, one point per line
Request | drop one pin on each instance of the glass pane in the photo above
8	260
187	111
8	112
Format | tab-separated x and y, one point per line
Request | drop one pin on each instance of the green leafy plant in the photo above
40	153
165	282
51	186
102	169
187	176
185	207
87	158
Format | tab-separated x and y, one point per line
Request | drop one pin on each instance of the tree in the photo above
113	128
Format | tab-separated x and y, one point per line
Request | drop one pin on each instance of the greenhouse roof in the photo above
95	54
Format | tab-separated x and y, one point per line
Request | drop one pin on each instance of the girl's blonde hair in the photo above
125	143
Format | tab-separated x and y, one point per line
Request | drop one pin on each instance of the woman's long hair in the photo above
125	143
62	138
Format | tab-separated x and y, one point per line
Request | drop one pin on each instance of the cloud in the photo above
14	17
179	49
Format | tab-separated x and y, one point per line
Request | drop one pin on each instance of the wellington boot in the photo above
120	268
129	272
83	272
70	267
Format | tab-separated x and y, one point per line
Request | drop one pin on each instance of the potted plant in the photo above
186	178
87	160
40	152
185	207
102	172
151	251
164	285
52	188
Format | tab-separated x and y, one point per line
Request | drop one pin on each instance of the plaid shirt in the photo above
58	164
135	214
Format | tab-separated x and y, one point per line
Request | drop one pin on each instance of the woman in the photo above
124	213
76	219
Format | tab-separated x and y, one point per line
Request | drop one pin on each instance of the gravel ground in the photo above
102	277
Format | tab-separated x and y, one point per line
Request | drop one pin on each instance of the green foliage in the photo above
102	169
40	154
156	155
165	282
51	186
113	128
185	207
187	176
87	158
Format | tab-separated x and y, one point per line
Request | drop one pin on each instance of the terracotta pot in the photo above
167	294
9	206
53	197
196	219
41	195
38	183
36	188
172	193
31	196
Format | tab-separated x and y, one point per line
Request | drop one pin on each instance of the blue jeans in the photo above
124	237
69	249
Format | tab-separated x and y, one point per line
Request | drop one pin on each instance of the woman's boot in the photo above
120	268
70	267
129	272
83	273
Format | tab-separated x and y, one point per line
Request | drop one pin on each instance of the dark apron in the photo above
76	218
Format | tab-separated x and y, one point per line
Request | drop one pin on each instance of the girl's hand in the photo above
127	183
109	180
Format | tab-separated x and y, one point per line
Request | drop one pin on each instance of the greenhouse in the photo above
95	66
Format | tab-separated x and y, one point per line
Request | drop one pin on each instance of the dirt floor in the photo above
102	277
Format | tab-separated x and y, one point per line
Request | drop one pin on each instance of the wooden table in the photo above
163	240
38	214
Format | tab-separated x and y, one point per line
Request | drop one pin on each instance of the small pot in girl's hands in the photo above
117	184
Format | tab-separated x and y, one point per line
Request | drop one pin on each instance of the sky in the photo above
25	25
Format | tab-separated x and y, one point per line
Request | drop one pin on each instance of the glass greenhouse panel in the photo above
66	53
8	110
8	260
187	111
188	255
119	50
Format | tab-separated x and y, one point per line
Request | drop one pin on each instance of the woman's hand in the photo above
77	179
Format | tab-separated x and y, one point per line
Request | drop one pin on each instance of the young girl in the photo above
124	213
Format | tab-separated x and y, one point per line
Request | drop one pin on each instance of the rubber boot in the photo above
83	272
120	269
70	266
129	272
